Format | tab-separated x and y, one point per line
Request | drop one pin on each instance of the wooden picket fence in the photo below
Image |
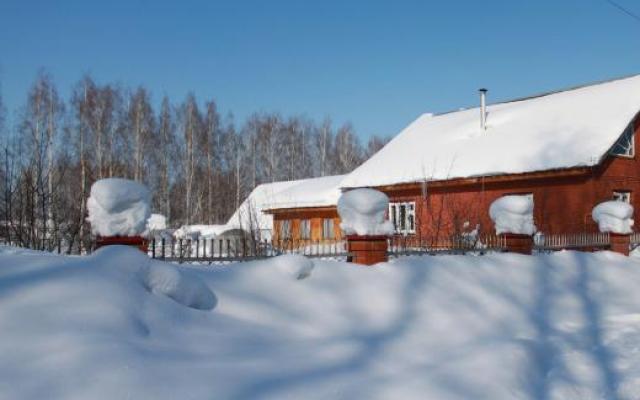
228	250
571	241
454	244
233	250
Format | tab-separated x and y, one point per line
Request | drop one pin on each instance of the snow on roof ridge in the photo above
535	96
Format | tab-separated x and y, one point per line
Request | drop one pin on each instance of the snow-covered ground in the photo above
113	326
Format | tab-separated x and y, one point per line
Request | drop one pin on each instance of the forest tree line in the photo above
198	164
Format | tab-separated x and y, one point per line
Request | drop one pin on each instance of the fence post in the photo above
153	248
518	243
620	242
367	250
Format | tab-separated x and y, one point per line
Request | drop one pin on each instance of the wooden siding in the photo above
315	214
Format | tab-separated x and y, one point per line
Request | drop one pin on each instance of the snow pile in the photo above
513	214
162	278
501	326
157	222
118	207
614	216
362	212
293	265
194	232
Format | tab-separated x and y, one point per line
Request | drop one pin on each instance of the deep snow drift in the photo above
513	214
561	326
614	216
118	207
362	212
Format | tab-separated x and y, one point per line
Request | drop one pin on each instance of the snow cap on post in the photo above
118	207
362	213
614	216
513	214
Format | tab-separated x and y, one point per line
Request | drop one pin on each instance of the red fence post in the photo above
518	243
135	241
367	250
620	243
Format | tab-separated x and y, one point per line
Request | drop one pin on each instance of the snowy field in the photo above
113	326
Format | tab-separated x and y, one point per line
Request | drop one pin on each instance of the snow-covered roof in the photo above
314	192
250	215
564	129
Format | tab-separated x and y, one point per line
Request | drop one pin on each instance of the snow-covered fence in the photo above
227	250
454	244
53	245
571	241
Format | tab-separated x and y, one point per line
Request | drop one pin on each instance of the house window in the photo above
403	217
622	196
327	228
305	229
625	145
285	229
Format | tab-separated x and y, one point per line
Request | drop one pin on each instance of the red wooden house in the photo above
292	211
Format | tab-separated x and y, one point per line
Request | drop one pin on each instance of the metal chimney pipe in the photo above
483	108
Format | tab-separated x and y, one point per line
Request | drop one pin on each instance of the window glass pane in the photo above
403	217
305	229
622	196
392	216
327	228
624	145
412	217
285	231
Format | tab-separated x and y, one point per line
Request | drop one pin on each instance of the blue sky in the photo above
376	64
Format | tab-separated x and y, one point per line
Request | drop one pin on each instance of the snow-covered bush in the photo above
297	266
118	207
362	212
513	214
614	216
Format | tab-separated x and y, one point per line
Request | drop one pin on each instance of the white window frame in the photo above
328	228
403	224
305	229
626	142
622	195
